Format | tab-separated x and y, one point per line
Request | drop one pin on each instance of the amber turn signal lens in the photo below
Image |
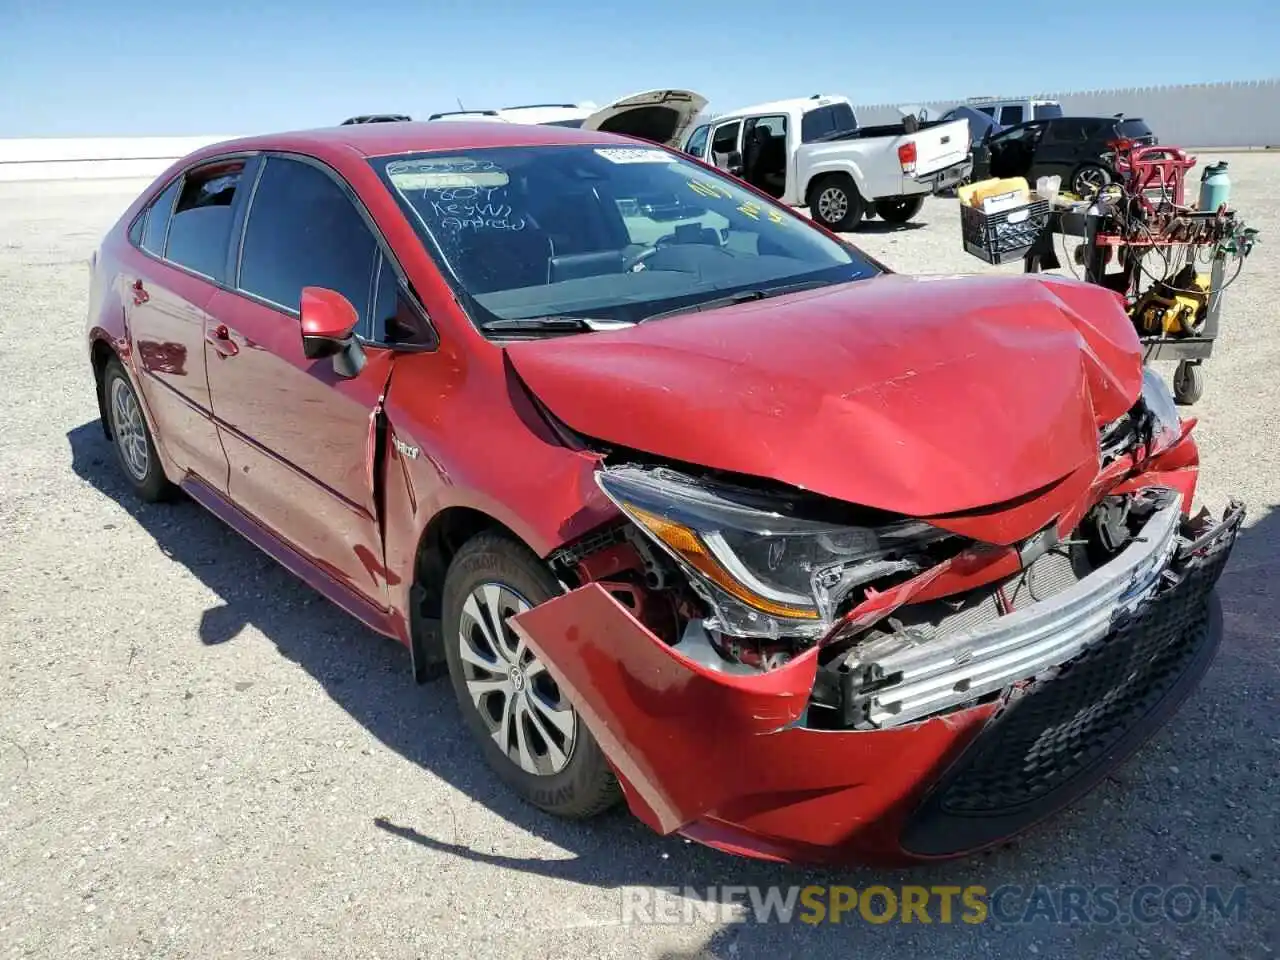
689	547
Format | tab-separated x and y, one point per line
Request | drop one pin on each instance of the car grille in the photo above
1066	730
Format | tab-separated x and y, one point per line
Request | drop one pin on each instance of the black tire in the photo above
131	436
1188	383
899	209
835	203
1089	178
585	785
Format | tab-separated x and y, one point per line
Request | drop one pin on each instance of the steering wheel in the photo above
635	259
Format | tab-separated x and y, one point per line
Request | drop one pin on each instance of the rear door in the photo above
1012	152
298	436
183	245
662	116
1064	146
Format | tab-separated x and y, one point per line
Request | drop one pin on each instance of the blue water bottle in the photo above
1215	187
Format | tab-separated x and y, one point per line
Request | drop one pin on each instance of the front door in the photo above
726	147
298	436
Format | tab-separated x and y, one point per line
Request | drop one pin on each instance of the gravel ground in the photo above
200	757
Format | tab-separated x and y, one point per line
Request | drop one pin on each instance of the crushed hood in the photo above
923	396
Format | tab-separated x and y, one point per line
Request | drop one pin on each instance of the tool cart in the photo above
1174	260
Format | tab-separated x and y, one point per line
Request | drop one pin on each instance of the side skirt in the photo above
353	603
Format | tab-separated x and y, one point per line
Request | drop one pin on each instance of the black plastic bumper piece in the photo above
1055	741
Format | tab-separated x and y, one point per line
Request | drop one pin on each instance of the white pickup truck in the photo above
806	152
812	153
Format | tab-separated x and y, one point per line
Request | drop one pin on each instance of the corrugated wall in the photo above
1245	114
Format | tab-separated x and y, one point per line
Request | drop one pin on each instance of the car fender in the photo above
835	165
696	748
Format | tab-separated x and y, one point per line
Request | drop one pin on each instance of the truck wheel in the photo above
529	733
835	203
899	209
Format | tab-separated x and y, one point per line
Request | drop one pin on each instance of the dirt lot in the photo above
200	758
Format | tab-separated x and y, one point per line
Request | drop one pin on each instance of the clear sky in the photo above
96	67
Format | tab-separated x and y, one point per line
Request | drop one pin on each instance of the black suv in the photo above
1081	150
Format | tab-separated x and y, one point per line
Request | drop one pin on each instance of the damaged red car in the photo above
700	508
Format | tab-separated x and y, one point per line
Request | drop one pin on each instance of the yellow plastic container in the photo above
972	194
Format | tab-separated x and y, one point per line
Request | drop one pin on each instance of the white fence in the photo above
1196	115
1243	114
93	157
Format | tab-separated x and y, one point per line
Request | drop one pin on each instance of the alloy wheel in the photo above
522	707
129	430
833	204
1090	180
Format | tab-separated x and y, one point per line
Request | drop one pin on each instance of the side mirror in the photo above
733	163
328	330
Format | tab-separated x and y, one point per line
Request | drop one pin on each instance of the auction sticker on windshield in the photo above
446	173
634	155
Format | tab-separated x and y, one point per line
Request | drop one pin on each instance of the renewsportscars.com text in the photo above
940	904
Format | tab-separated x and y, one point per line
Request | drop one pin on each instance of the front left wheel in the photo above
529	733
131	437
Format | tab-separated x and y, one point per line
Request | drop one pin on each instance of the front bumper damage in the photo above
981	733
916	679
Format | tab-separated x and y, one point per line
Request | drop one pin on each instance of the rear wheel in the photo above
835	203
131	437
529	733
1089	180
899	209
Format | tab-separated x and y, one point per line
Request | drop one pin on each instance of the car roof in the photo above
794	104
389	139
1072	118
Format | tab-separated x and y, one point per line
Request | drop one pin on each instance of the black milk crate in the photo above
1005	236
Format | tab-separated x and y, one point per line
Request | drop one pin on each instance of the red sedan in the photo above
699	506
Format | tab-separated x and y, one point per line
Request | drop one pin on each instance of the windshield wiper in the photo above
742	296
552	324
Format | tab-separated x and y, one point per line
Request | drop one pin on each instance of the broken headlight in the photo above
764	573
1153	421
1164	425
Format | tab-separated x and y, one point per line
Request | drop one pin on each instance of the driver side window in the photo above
697	143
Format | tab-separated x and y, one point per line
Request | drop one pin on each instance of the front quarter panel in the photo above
463	433
720	757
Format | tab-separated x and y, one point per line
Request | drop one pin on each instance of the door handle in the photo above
140	295
219	337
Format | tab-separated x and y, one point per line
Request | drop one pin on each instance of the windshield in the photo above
603	232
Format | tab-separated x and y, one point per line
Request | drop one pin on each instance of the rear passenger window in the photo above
201	222
156	223
828	123
304	231
1010	115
